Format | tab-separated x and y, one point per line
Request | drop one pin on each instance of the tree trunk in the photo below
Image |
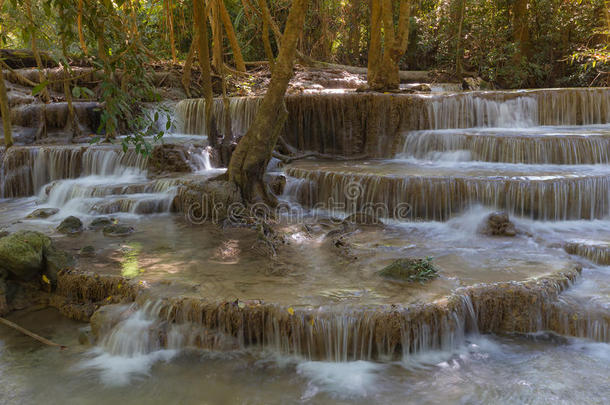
188	64
228	24
45	92
81	35
254	151
520	29
5	110
66	84
206	70
217	59
267	42
383	66
459	48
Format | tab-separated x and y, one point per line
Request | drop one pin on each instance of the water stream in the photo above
509	320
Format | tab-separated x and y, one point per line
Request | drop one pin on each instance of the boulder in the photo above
497	224
3	233
410	270
210	200
118	230
70	226
106	317
43	213
56	260
87	251
22	254
169	158
99	223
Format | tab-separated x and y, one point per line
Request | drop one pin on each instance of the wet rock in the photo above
85	338
118	230
43	213
106	318
56	260
208	201
70	226
22	254
423	87
3	233
100	222
475	83
497	224
87	251
410	270
277	183
169	158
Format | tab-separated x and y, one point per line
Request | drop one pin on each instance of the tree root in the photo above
289	159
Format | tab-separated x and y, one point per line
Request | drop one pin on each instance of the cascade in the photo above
354	123
510	146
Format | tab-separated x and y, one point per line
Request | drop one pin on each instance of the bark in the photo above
66	84
459	51
383	67
203	51
520	29
81	35
188	65
267	42
217	59
45	92
170	23
228	25
5	110
254	151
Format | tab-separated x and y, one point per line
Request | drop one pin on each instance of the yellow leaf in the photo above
311	321
119	286
46	279
290	310
109	298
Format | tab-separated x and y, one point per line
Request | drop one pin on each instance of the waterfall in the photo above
351	124
518	146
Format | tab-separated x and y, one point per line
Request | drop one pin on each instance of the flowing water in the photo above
219	322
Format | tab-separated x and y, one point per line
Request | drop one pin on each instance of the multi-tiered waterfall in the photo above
432	166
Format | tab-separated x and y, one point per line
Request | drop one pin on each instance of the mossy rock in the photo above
42	213
410	270
70	226
100	222
87	251
56	260
22	254
118	230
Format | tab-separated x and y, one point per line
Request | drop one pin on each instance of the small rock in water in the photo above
43	213
410	270
498	224
118	230
87	251
101	222
70	226
3	233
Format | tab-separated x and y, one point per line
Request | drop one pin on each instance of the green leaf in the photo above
39	87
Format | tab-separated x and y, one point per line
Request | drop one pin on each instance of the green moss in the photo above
410	270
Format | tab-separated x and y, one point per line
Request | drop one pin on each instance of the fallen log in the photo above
30	334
